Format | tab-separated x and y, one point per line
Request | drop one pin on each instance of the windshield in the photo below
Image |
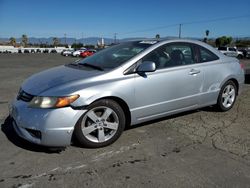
115	56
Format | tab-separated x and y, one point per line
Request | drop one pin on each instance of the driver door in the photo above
175	85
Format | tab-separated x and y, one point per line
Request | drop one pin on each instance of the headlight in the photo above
52	102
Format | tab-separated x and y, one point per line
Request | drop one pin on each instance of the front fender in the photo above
123	89
85	101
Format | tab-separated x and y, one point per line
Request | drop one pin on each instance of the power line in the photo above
216	19
187	23
151	29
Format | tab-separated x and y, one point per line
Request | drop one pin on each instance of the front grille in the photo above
22	95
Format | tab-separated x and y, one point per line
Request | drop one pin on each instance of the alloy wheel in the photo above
100	124
228	96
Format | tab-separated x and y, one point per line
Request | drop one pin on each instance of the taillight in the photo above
242	66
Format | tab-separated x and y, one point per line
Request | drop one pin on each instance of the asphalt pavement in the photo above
201	148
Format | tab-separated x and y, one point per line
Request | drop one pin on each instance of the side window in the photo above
206	55
171	55
232	49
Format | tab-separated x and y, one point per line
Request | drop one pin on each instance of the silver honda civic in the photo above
126	84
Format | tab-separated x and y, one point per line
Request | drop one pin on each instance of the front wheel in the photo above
101	125
227	96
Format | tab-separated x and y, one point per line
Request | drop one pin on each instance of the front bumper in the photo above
48	127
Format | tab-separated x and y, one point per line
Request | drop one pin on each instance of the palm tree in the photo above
24	40
206	33
12	41
157	36
55	41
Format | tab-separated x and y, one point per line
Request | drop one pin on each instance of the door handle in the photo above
194	72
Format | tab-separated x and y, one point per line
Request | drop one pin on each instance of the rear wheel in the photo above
227	96
101	125
240	56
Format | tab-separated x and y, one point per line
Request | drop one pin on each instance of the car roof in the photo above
159	42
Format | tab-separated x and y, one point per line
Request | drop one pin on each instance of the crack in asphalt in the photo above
61	171
215	133
4	102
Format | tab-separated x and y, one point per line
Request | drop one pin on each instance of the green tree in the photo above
24	40
12	41
55	41
229	40
217	42
76	45
157	36
89	46
223	41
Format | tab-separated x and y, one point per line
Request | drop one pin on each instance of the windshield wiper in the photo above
92	66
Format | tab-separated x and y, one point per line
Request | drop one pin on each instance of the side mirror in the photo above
146	66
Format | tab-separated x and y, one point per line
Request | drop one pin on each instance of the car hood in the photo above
57	76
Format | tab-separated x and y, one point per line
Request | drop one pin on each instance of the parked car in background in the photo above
126	84
53	51
78	52
32	51
26	51
87	53
67	52
231	52
244	52
240	54
38	51
46	51
248	53
62	52
7	52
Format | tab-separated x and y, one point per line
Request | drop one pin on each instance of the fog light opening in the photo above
35	133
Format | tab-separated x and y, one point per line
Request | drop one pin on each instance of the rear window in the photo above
222	48
206	55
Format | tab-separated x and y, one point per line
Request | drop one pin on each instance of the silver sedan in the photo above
123	85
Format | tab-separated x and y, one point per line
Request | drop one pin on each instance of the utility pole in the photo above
65	38
180	30
82	39
115	34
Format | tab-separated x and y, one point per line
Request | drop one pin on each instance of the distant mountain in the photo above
70	41
94	40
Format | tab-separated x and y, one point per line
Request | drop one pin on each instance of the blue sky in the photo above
48	18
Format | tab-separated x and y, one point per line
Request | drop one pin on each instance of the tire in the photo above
101	125
227	96
240	56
